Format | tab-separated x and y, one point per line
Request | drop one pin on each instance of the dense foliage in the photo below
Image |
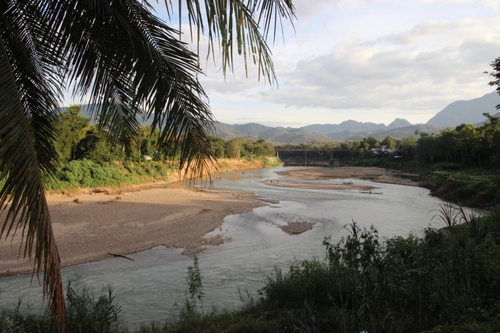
466	146
85	314
89	158
401	285
78	140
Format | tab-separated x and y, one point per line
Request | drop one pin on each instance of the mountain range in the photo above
456	113
466	112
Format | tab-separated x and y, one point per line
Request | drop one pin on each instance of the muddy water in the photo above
149	288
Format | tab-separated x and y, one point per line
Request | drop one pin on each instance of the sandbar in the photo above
304	177
90	226
94	226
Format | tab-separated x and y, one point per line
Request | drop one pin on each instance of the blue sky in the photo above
365	60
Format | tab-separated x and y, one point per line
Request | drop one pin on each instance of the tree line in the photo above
78	140
465	146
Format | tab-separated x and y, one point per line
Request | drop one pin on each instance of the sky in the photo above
364	60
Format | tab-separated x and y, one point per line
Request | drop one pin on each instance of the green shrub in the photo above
17	320
85	314
401	285
85	173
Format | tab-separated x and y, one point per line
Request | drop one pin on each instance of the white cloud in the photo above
494	4
427	66
368	61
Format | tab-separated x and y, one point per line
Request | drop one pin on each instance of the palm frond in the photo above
128	62
28	96
147	70
240	27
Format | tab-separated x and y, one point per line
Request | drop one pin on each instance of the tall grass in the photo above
86	314
400	285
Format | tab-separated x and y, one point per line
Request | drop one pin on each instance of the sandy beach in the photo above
94	226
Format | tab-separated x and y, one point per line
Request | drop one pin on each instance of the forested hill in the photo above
306	135
456	113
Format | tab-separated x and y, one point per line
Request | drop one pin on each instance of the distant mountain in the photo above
270	134
398	123
348	125
468	112
305	135
398	133
459	112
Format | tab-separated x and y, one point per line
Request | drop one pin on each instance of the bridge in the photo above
309	157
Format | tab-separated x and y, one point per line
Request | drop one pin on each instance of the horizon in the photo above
340	122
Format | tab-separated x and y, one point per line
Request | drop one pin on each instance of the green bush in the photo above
17	320
85	314
401	285
85	173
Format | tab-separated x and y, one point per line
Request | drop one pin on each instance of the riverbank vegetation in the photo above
444	281
90	159
459	165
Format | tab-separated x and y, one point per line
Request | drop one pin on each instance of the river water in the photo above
149	288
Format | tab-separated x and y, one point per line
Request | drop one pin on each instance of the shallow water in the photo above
149	287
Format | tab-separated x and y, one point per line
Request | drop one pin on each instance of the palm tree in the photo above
128	62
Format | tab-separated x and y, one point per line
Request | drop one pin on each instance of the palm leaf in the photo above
128	62
240	27
149	71
27	104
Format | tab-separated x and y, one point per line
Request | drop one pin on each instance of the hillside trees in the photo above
389	142
72	128
127	62
218	149
258	147
407	147
95	146
80	140
234	147
466	145
466	137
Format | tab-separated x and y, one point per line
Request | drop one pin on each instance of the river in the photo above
149	288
